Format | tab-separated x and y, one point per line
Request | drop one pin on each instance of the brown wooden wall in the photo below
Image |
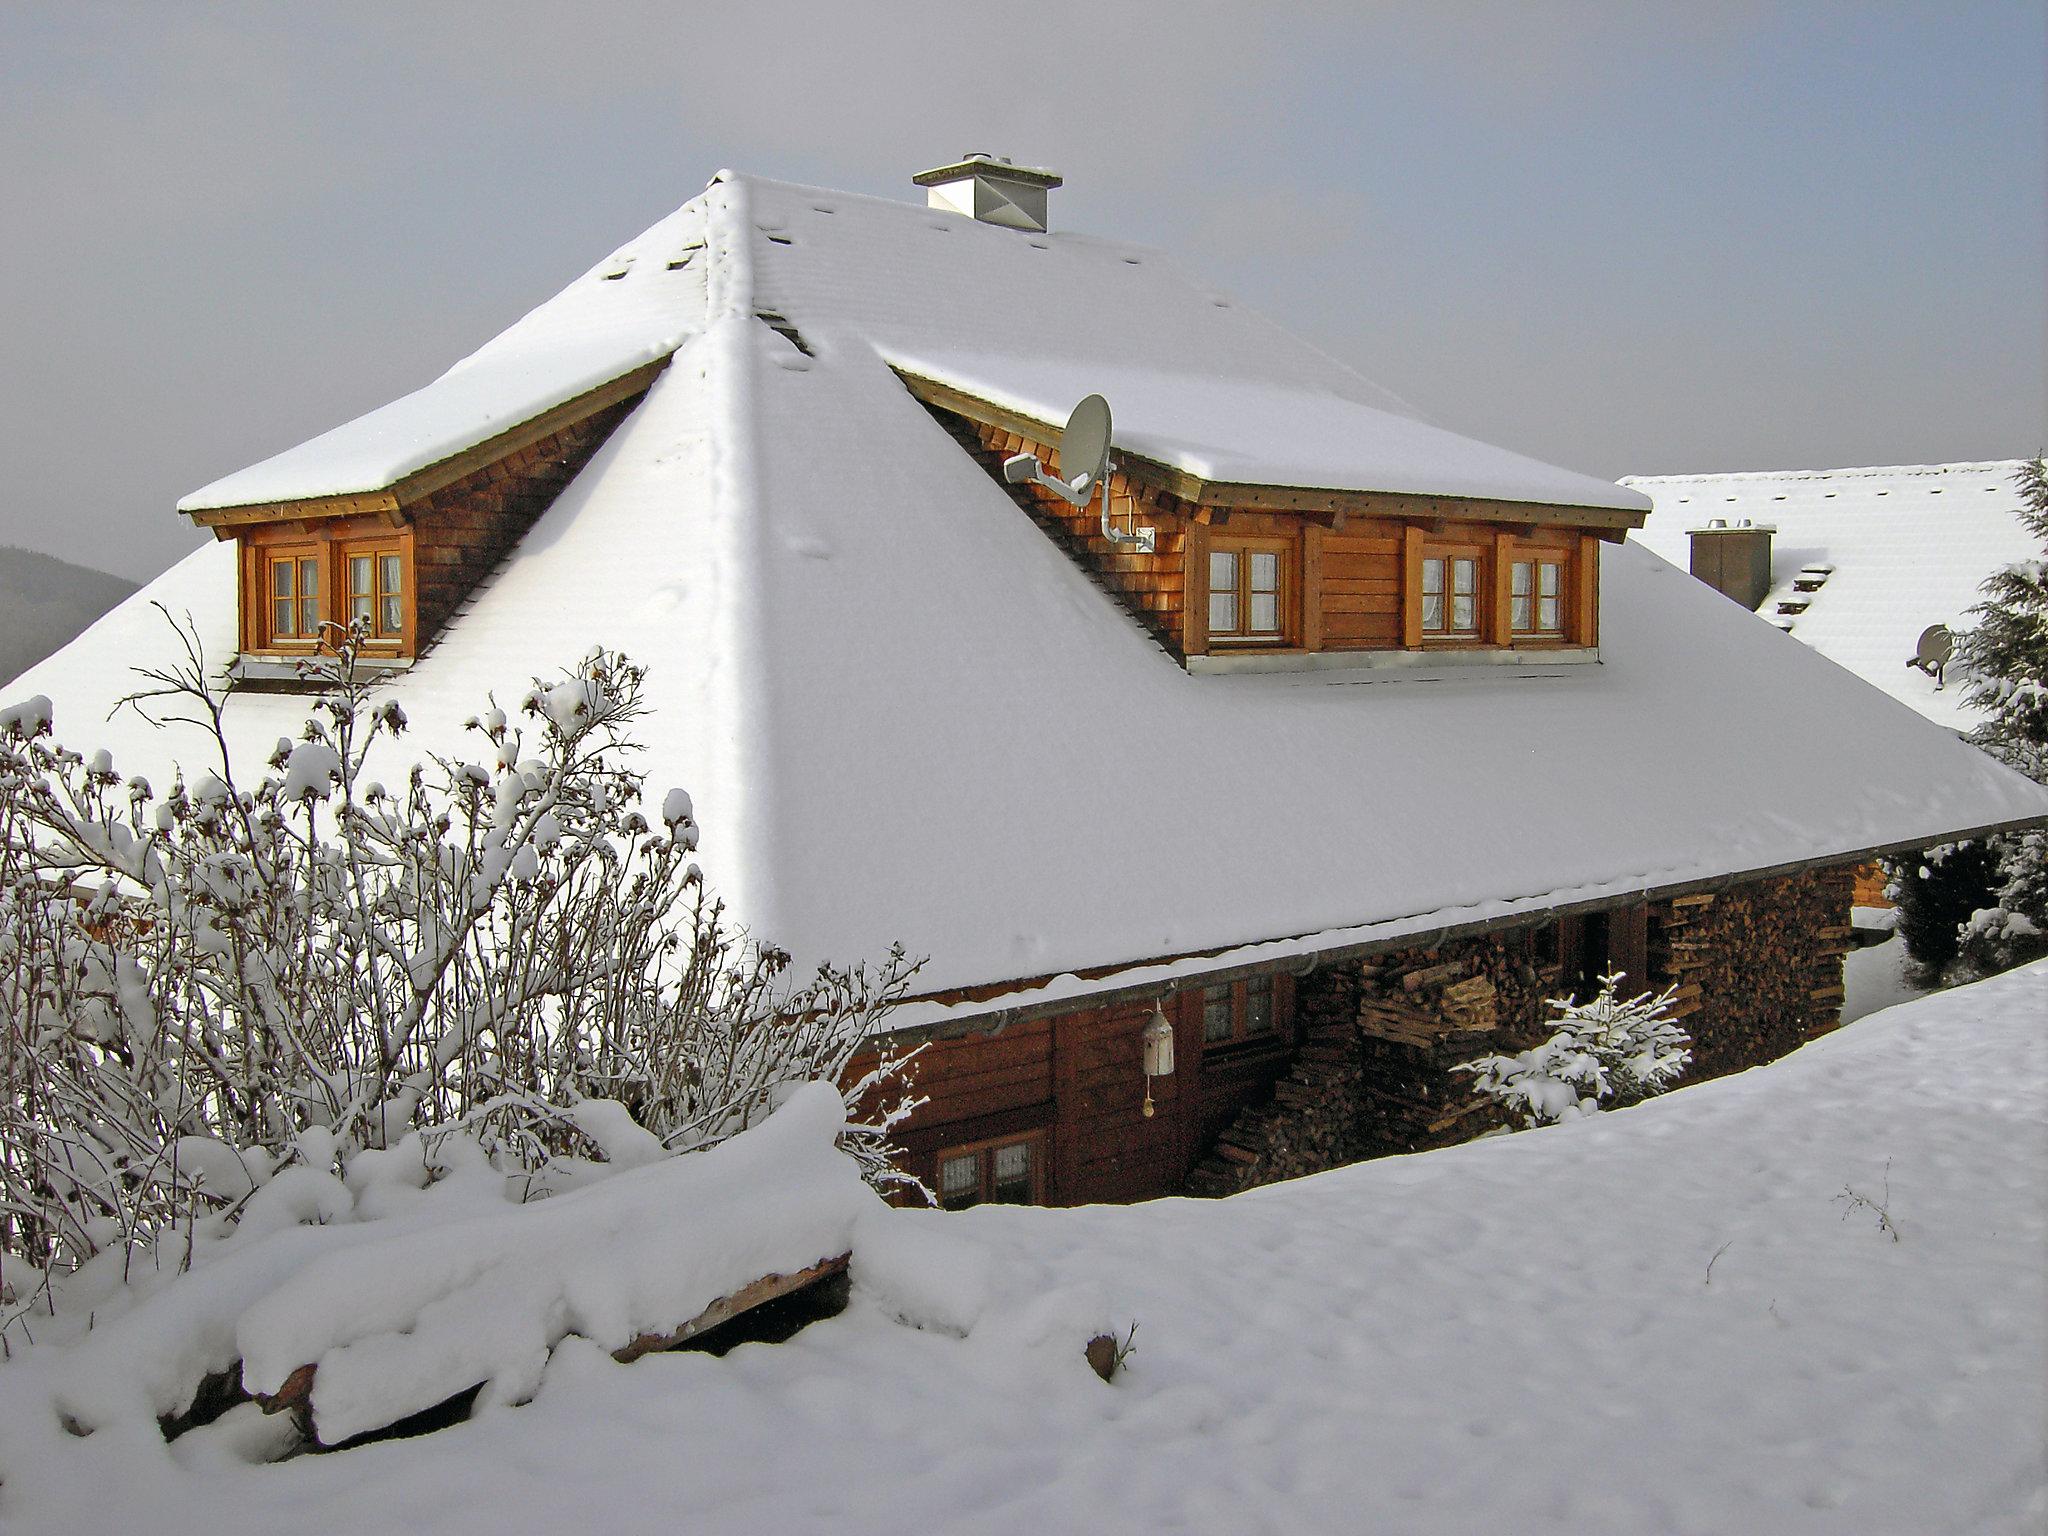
1361	570
1350	582
1078	1078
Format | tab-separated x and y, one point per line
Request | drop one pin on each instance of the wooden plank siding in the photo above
1351	580
1078	1078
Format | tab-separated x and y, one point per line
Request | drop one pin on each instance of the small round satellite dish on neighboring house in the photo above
1936	646
1084	446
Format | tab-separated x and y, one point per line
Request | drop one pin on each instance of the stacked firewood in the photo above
1421	1013
1758	967
1308	1125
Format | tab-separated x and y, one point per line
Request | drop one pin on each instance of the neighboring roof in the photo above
1904	547
904	713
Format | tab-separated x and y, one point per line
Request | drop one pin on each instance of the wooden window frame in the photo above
986	1149
258	594
1241	1036
332	545
1535	557
1241	547
1483	620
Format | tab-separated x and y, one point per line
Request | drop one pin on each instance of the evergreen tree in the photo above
1938	891
2008	654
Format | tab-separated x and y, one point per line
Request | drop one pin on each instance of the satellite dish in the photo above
1084	446
1084	471
1933	652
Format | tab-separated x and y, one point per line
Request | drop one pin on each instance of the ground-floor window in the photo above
1005	1171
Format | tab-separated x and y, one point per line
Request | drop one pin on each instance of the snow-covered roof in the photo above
1227	429
1875	556
610	332
904	713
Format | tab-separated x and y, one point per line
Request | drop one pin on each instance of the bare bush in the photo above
202	989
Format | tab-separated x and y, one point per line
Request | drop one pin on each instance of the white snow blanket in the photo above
1681	1317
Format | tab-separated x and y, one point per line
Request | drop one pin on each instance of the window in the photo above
376	593
1246	593
1450	597
301	589
1239	1011
1536	597
294	588
1000	1172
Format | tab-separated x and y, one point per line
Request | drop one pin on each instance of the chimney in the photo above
989	188
1735	561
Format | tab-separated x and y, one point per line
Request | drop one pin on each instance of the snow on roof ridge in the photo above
1872	471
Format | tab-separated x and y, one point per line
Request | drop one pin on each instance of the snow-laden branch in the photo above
202	990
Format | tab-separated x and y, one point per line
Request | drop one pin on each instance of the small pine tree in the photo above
1623	1049
1938	891
2008	654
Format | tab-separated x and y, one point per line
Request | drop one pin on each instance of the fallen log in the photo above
295	1393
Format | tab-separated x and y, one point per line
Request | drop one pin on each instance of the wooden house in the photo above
1379	736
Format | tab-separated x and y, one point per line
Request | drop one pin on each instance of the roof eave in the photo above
967	1014
392	496
1323	501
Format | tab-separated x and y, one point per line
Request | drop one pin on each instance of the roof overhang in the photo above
972	1010
391	501
1322	503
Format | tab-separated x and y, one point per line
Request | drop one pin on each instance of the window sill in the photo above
281	672
1435	658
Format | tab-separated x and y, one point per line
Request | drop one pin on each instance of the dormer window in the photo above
1450	596
299	587
376	593
294	585
1536	598
1247	591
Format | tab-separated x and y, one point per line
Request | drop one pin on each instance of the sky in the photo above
1628	238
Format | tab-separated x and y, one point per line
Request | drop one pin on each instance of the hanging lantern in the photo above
1158	1038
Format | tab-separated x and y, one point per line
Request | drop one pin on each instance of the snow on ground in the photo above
1679	1317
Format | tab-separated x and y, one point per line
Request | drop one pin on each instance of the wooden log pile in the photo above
1758	966
1311	1122
1420	1014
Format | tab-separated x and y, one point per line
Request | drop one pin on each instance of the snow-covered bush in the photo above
216	1001
2008	653
1610	1048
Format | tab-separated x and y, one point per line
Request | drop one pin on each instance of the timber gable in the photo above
1353	572
402	561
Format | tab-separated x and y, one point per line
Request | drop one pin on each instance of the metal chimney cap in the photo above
978	164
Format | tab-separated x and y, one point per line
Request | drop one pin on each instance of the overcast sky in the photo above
1627	237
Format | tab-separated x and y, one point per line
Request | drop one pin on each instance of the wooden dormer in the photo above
402	559
1249	576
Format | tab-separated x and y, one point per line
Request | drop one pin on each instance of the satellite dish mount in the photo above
1932	655
1084	460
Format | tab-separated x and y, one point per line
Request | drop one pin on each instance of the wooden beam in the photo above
1194	607
1411	587
389	502
1588	629
1502	629
1312	587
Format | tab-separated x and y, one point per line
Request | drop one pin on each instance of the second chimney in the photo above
1735	561
989	188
